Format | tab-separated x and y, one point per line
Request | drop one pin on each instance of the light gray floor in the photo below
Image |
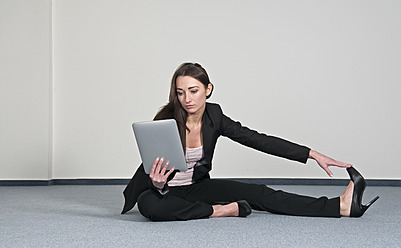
89	216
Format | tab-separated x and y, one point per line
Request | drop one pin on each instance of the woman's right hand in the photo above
158	173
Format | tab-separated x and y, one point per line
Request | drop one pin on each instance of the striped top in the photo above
192	155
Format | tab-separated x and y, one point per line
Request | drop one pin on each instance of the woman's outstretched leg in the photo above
263	198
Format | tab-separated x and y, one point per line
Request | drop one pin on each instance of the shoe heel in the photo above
371	202
365	207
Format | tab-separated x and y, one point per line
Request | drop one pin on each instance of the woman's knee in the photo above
148	203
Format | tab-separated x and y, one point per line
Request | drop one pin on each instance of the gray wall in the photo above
25	89
321	73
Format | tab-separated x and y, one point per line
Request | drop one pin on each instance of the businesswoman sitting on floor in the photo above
169	195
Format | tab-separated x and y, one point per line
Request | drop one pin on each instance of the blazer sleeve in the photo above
137	185
262	142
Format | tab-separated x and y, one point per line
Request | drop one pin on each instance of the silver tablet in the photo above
159	139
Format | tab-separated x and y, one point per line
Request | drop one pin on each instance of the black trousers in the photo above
195	201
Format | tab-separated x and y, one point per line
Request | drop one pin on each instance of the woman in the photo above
169	195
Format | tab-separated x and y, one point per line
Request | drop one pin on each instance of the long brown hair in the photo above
173	109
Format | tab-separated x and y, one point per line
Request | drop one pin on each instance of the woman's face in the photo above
192	94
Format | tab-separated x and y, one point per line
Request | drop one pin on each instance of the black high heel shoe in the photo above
244	208
357	209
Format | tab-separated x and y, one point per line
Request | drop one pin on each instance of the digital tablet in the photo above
159	139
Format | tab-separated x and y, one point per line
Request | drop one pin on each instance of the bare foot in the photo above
225	210
346	199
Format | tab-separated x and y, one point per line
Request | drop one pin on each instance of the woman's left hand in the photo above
158	173
325	162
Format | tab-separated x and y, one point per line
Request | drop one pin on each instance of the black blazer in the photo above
214	125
